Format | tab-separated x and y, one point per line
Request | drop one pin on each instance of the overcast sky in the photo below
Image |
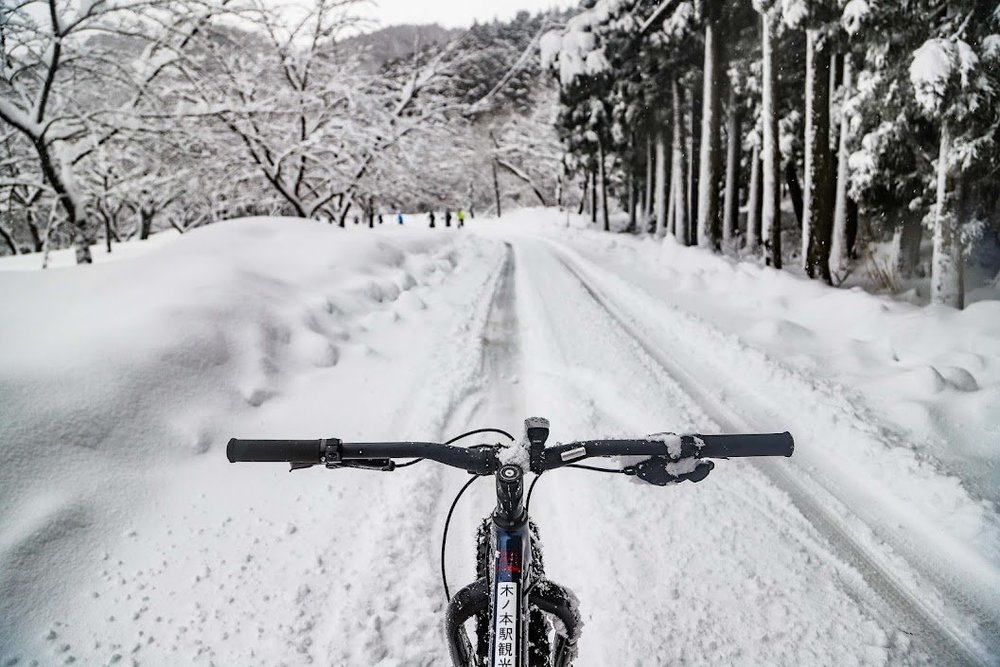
455	13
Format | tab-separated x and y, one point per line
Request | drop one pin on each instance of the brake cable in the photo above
454	503
444	537
459	437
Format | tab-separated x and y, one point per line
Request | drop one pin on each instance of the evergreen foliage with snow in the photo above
858	117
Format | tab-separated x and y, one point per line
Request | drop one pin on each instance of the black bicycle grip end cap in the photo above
273	451
791	443
737	445
772	444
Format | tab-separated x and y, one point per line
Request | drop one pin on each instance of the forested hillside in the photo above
122	119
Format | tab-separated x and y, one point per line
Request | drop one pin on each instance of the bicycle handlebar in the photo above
332	451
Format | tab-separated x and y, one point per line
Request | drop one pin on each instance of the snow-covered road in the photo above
866	526
830	558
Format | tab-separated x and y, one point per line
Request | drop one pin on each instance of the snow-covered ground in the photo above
125	536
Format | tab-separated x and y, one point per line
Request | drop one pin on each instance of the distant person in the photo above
447	218
380	218
357	221
461	218
431	216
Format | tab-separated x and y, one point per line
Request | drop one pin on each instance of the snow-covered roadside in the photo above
124	532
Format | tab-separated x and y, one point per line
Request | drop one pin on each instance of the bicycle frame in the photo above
511	590
511	572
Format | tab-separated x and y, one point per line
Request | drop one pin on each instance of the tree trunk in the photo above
852	228
36	236
660	198
107	232
343	213
693	154
840	250
771	206
755	201
9	239
817	219
648	203
593	197
946	263
906	244
794	189
679	167
708	172
730	218
145	223
77	223
671	226
583	197
604	184
633	196
496	186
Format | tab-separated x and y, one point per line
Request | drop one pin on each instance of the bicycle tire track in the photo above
398	605
935	631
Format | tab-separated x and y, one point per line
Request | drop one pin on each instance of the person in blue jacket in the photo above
399	217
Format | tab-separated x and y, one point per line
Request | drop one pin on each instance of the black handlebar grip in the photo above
274	451
745	444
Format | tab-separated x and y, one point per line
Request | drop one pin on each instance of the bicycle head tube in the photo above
510	510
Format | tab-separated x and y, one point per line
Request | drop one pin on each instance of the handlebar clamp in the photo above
330	454
661	471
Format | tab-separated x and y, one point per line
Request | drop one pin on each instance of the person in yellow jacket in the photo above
461	218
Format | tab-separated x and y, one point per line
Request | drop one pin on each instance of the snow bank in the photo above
117	378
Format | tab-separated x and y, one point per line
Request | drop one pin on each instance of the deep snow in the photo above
125	536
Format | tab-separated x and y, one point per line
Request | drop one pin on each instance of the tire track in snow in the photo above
898	594
497	405
395	601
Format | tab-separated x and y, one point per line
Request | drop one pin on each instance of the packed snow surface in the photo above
126	537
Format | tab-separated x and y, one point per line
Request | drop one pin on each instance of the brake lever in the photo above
386	465
661	472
